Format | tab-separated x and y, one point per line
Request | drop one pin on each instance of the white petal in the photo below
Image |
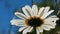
20	15
41	10
51	26
30	29
50	23
25	12
51	19
48	13
46	10
22	28
26	30
17	22
35	9
45	27
28	8
37	31
40	29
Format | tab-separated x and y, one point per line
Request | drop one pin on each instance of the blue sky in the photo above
7	9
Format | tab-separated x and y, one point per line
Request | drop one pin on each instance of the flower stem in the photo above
34	30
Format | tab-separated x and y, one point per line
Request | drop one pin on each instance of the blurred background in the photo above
9	7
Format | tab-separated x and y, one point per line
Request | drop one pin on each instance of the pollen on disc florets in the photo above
34	21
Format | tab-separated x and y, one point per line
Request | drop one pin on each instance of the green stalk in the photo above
34	28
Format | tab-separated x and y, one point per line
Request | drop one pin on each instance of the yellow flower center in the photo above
34	21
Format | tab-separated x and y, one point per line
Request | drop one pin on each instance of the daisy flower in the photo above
34	17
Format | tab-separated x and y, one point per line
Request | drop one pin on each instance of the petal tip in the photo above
16	13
